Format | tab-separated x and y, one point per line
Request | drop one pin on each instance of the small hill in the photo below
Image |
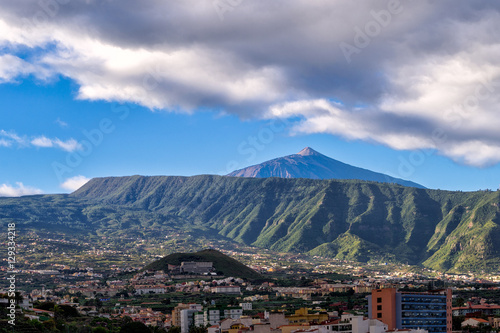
222	263
308	163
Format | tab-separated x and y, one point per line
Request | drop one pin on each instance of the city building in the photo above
196	267
429	310
350	323
191	316
233	313
232	290
477	310
212	316
302	316
246	306
494	322
150	289
176	314
475	322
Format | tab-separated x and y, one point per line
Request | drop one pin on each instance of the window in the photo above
379	315
379	299
379	307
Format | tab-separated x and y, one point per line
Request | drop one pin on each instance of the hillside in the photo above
308	163
222	263
345	219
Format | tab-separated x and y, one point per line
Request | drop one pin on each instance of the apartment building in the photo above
430	310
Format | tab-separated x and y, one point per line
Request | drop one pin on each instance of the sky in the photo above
182	87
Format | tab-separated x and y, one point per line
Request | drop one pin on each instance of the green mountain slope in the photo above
223	263
334	218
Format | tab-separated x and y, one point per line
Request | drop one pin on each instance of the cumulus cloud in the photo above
411	68
74	183
401	132
42	141
7	190
68	145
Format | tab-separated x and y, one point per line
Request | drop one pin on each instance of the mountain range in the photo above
308	163
344	219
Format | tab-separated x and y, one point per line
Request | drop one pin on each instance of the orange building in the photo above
383	306
411	310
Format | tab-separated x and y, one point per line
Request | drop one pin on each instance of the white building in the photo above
158	289
199	319
350	323
188	317
475	322
233	313
246	306
235	290
212	317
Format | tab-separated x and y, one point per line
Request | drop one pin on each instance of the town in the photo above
292	294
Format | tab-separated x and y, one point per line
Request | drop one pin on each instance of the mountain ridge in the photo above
308	163
344	219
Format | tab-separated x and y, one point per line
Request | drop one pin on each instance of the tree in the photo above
457	322
459	301
66	311
134	327
196	329
174	329
100	329
47	306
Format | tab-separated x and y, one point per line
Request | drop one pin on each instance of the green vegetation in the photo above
222	263
343	219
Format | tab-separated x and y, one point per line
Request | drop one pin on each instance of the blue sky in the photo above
183	90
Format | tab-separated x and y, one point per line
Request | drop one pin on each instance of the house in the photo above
150	289
302	316
494	322
475	322
196	267
232	290
476	310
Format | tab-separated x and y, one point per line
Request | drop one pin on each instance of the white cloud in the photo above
408	132
11	137
5	143
68	145
74	183
17	191
12	67
61	123
426	69
42	141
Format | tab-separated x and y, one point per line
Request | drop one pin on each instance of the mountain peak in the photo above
307	151
308	163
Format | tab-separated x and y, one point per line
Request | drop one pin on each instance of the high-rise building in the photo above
191	317
429	310
177	312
